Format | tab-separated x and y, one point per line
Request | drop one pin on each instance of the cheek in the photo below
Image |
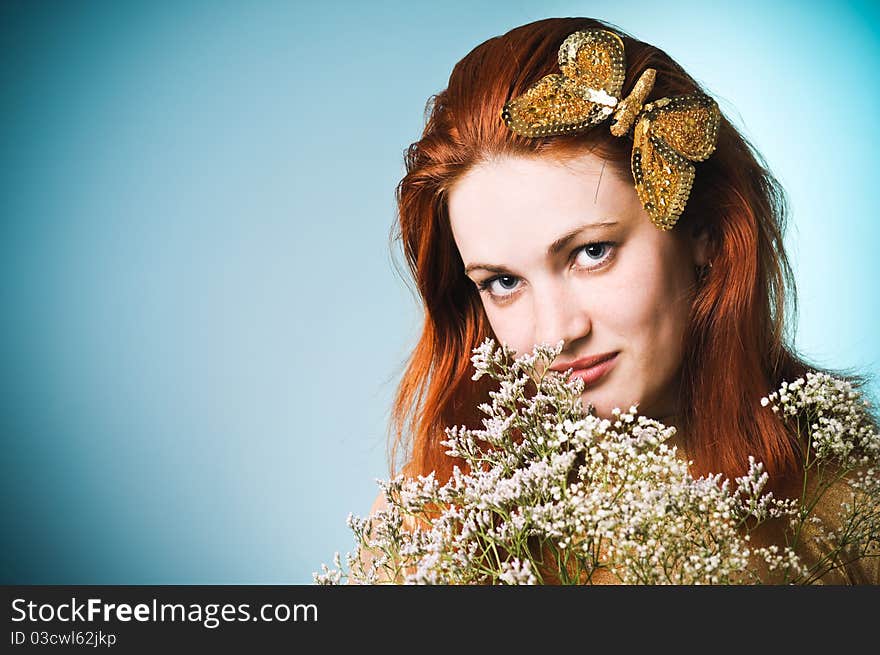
651	314
511	326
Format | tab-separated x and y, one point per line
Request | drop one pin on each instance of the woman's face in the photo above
612	282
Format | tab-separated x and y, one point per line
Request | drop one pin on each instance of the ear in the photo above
701	245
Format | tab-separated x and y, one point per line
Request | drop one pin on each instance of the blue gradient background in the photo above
202	322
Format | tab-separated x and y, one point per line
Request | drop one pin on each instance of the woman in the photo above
525	221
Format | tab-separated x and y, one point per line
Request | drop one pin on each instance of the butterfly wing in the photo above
595	59
669	135
663	180
554	105
688	124
586	92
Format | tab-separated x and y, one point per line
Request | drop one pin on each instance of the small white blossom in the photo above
609	495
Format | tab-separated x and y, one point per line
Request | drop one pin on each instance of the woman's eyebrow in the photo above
563	241
552	249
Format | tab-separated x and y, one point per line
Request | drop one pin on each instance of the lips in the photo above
589	369
583	362
592	374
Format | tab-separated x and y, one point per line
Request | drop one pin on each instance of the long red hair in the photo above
736	346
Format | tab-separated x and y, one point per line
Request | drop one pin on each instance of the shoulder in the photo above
366	556
381	503
841	535
836	536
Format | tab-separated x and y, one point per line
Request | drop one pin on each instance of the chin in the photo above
601	408
602	405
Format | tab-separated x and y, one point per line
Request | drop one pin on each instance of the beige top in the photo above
847	568
851	568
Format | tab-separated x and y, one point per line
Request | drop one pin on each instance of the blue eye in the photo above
591	250
503	279
598	254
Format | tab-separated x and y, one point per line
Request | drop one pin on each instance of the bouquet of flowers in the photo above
553	494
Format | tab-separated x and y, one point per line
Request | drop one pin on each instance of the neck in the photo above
679	438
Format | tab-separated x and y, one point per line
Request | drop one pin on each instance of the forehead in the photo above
526	203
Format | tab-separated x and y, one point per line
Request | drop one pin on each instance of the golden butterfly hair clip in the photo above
669	133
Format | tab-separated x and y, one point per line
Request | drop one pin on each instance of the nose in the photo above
559	314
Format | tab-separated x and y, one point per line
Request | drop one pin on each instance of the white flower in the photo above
599	493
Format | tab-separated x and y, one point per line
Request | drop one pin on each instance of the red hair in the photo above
735	346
